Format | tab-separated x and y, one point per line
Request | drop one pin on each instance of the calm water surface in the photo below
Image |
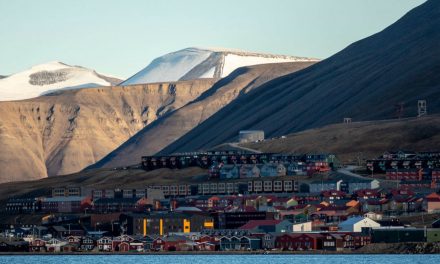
222	259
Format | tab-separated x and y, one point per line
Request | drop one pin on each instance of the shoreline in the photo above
207	253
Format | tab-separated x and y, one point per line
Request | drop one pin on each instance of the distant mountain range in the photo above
196	63
365	81
71	127
49	77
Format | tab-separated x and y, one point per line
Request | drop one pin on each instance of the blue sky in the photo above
121	37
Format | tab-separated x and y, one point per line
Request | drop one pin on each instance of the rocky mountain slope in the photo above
365	140
49	77
195	63
69	130
364	81
170	127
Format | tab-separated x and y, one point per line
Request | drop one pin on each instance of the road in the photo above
348	171
235	145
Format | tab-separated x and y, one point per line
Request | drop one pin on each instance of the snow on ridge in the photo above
234	61
199	62
253	54
45	77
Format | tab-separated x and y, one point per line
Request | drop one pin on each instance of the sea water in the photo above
221	259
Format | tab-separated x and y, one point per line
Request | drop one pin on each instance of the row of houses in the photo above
377	200
413	174
351	234
243	171
107	200
410	155
206	160
302	241
196	242
328	206
77	204
347	186
404	160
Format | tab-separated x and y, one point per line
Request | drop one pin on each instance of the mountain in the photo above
2	76
168	128
66	131
364	81
49	77
195	63
365	140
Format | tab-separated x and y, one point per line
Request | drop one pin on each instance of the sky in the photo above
119	38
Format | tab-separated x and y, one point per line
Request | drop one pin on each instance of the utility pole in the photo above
421	108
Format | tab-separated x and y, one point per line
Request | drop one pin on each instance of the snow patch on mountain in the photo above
170	67
234	61
51	76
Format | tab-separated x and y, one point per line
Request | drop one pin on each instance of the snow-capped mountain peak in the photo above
49	77
196	62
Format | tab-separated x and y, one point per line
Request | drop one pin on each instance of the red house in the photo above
332	195
317	167
37	245
299	241
367	194
117	241
171	243
132	246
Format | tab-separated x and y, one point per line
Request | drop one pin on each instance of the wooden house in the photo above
273	170
105	244
305	241
229	172
240	243
37	245
87	243
55	245
249	171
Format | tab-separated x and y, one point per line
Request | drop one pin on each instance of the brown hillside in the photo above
364	139
67	131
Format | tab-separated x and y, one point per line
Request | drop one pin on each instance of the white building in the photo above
355	224
302	227
374	216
